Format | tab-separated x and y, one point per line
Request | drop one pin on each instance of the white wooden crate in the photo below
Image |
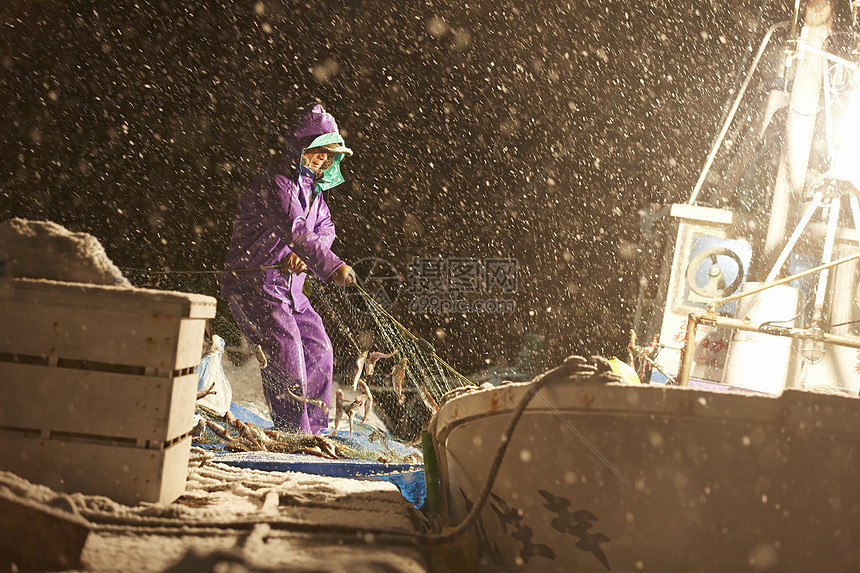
97	386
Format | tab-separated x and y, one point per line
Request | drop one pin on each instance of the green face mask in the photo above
331	175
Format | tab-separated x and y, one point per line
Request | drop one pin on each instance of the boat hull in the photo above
611	477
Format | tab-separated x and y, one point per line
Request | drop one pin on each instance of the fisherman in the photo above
283	220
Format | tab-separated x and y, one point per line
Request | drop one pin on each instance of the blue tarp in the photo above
250	417
409	478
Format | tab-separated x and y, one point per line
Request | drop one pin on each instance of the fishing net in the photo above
355	323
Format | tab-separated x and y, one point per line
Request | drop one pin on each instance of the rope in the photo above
200	272
559	373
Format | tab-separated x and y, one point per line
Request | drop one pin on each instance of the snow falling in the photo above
534	131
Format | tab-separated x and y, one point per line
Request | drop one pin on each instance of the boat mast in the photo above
803	110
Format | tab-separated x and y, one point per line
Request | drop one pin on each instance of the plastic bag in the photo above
213	379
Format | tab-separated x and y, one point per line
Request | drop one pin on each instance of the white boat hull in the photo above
676	479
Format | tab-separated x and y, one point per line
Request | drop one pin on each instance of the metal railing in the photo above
710	318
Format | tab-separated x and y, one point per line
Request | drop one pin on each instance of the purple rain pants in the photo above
299	355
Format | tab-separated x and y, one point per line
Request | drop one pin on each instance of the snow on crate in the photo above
46	250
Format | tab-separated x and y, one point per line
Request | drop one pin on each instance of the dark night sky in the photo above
134	123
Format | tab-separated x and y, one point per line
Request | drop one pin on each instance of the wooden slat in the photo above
127	475
108	335
134	300
159	330
67	400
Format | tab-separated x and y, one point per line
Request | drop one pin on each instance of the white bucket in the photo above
758	361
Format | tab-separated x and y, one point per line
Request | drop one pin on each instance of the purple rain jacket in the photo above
284	212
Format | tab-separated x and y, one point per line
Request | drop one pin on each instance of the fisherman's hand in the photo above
293	264
344	275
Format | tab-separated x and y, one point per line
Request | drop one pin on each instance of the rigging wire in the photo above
793	318
844	323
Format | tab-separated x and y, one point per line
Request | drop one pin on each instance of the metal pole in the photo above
783	256
827	256
683	377
774	330
806	47
803	108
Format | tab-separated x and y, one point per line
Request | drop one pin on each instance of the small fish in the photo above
368	400
338	407
237	447
245	432
313	452
254	433
378	435
312	401
359	363
219	431
341	408
373	358
261	356
430	399
326	447
398	373
204	393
